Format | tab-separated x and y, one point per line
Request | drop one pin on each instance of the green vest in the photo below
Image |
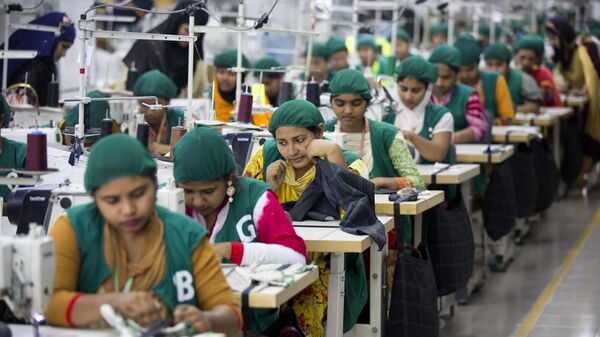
433	114
458	105
181	237
12	156
382	136
489	81
271	154
514	80
239	225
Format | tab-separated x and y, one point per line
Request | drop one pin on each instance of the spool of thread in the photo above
37	157
176	133
244	114
286	91
106	127
52	96
259	94
313	93
86	117
143	133
132	76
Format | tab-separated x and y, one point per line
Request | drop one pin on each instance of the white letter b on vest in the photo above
183	281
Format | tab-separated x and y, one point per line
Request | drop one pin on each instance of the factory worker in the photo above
427	127
245	221
378	144
368	53
470	121
271	80
50	48
122	249
338	59
524	91
581	71
12	153
287	165
318	63
438	34
155	83
491	86
529	57
225	79
170	57
99	110
403	41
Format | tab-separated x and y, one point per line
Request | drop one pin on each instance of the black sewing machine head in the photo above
29	205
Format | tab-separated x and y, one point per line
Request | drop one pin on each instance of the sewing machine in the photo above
43	204
27	273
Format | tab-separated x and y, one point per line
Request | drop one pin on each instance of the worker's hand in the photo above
138	306
322	148
156	147
223	250
409	135
276	174
383	183
193	316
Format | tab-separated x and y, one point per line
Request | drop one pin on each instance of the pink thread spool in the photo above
244	114
37	157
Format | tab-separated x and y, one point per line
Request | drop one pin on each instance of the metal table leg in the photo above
335	296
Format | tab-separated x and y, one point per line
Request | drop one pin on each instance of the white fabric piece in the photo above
270	253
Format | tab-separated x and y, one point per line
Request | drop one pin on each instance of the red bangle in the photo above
70	308
401	182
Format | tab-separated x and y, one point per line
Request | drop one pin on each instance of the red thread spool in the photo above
244	114
37	157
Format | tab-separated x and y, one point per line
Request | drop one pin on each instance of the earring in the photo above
230	191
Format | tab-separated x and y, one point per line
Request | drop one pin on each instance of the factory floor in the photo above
551	289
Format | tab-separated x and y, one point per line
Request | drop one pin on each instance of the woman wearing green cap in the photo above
403	41
271	80
470	121
219	200
378	144
12	153
426	126
524	91
226	83
530	58
318	63
491	86
99	110
161	120
438	34
122	249
245	221
338	59
287	164
368	52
